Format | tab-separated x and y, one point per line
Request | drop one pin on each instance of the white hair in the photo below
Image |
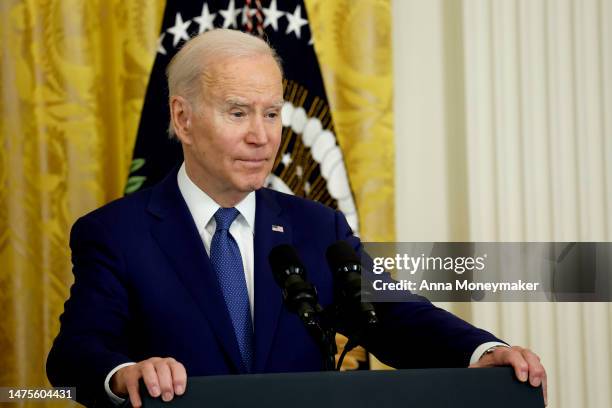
196	56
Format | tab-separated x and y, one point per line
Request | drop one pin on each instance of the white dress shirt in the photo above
202	209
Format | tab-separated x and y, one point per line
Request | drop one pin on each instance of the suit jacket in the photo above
144	287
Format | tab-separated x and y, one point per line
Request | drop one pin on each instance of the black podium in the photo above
434	388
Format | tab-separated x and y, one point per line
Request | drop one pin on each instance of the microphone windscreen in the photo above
341	253
283	258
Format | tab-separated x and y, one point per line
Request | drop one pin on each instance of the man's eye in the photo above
272	115
237	114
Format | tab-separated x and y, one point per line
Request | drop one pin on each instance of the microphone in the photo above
346	268
299	295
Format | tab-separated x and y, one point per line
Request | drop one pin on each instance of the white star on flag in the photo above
286	159
230	15
278	228
179	30
205	20
272	15
296	22
160	45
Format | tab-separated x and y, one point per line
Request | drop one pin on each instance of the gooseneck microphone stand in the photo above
323	332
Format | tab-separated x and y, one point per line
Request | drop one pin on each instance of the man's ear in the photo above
181	117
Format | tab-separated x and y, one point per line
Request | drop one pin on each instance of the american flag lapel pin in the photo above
277	228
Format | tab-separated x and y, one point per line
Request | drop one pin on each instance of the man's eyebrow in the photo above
243	103
236	102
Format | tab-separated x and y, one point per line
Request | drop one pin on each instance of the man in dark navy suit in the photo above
175	279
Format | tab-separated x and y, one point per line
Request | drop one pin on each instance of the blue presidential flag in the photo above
309	162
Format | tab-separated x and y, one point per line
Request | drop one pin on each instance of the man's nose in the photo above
257	131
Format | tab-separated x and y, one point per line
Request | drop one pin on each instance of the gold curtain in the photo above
73	78
74	74
353	44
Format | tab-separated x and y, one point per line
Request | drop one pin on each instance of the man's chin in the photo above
253	184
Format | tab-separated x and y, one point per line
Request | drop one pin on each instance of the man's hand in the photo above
162	376
526	365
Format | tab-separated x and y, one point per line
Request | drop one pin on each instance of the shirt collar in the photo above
202	207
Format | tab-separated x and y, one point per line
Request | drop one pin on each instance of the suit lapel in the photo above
177	236
271	229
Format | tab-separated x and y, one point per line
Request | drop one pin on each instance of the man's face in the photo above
235	127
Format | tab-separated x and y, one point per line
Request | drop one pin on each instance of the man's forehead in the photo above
234	80
227	67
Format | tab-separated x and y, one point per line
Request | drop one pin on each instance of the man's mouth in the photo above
252	162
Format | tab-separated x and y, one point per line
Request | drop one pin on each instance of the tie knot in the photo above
224	217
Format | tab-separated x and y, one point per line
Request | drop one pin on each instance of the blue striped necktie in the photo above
227	262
